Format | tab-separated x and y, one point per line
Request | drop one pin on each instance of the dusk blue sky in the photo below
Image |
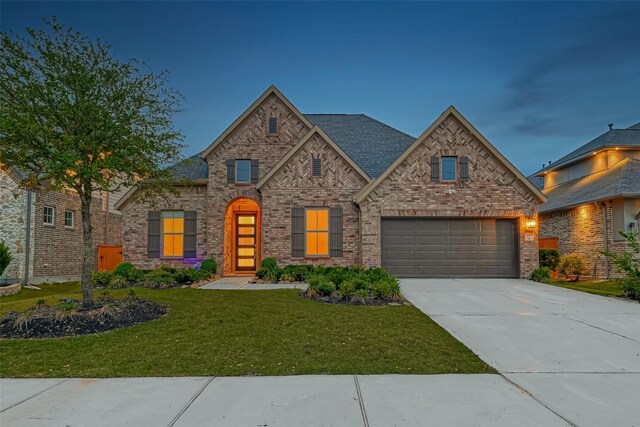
537	79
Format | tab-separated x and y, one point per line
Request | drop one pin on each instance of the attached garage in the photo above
450	247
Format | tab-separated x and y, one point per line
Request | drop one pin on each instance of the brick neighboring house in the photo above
342	189
54	240
594	193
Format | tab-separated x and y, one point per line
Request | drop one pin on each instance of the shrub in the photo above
209	265
376	274
321	284
124	269
542	275
159	278
269	263
629	263
136	275
387	288
118	282
168	269
362	294
348	288
338	275
101	278
5	257
190	275
572	266
300	273
549	258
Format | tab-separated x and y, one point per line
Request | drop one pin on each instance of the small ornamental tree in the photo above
629	263
572	266
74	118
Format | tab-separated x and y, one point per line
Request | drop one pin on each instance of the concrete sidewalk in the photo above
242	283
341	400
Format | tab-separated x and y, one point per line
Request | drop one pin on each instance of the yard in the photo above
604	288
270	332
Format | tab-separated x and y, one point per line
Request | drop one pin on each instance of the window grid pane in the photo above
243	171
449	166
173	237
48	215
68	218
317	234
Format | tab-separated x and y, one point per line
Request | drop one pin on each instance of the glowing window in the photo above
172	233
317	231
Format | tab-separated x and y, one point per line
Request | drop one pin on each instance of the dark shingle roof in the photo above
629	137
192	168
373	145
621	179
538	181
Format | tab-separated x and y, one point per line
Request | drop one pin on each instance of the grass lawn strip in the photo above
268	332
603	288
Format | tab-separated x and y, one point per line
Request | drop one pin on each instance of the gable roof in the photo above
299	145
192	168
451	111
629	137
620	180
271	90
372	144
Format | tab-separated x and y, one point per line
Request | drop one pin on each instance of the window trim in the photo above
162	233
73	218
235	171
327	231
455	172
53	215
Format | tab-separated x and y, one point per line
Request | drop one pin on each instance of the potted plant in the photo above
5	259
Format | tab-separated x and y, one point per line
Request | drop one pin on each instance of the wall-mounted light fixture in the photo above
530	223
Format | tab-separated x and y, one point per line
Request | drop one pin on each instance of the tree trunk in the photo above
87	255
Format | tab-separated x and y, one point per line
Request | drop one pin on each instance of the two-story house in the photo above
341	190
594	194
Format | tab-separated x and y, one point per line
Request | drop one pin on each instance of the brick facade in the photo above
134	247
492	191
293	185
581	230
13	222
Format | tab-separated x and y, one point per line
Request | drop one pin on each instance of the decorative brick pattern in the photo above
492	191
191	198
294	185
250	140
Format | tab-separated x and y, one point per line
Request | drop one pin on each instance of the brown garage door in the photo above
434	247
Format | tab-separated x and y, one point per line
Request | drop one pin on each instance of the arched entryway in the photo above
242	237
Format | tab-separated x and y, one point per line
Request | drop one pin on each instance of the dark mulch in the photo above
44	321
336	298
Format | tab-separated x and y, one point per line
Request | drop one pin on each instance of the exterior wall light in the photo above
530	223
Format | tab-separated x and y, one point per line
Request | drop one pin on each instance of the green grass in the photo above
210	332
603	288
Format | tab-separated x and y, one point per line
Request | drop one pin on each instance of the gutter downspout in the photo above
27	240
606	240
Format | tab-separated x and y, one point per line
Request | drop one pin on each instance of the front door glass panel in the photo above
246	242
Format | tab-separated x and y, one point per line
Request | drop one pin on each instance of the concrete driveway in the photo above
575	353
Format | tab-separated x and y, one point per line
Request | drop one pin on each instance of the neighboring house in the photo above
594	194
341	190
43	230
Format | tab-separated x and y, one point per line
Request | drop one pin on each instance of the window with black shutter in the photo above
435	169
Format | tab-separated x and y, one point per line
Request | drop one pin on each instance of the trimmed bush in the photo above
322	285
387	288
348	288
572	266
101	278
5	257
123	269
549	258
210	265
269	263
542	275
136	275
269	271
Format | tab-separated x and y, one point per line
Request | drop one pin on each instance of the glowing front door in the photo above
245	242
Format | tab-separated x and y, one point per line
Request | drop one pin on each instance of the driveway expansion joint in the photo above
361	401
37	394
198	393
602	329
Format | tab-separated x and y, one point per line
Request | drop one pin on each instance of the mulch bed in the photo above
44	321
337	299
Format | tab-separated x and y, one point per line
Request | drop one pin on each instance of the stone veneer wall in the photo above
191	198
293	185
581	230
13	222
249	140
492	191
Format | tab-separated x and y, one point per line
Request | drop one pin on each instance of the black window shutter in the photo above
255	171
231	171
435	168
153	234
273	125
464	169
316	167
335	232
297	232
190	234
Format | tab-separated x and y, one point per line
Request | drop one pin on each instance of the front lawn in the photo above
210	332
603	288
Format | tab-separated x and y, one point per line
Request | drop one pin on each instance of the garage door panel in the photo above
437	247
